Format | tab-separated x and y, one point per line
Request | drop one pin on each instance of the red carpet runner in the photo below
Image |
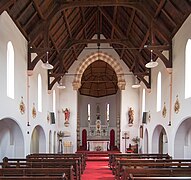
97	170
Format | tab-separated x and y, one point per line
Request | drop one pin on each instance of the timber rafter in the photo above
64	28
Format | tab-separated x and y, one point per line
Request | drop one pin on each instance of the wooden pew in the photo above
149	164
136	157
43	163
113	156
79	156
33	177
38	172
75	159
155	172
159	178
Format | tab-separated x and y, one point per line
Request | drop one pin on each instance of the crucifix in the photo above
126	136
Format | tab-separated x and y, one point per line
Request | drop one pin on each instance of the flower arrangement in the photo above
136	140
98	148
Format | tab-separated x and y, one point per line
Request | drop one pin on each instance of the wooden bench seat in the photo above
125	161
159	178
145	164
82	157
114	156
38	172
33	177
78	156
155	172
44	163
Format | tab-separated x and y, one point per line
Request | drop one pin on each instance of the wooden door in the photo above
112	139
84	139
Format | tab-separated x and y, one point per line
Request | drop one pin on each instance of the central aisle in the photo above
97	170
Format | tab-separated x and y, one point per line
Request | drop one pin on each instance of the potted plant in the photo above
136	140
60	134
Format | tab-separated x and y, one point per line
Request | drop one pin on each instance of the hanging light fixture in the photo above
152	63
60	84
46	65
136	83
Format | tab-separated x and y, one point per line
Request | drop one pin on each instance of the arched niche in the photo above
38	140
145	142
11	139
159	140
182	142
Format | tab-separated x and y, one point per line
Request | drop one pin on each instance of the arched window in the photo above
187	69
159	92
89	112
10	70
107	113
39	93
54	102
143	101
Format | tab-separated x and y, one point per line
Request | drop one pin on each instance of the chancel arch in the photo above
103	57
98	100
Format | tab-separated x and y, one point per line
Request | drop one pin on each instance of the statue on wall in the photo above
131	115
67	116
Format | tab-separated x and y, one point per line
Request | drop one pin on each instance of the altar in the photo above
98	145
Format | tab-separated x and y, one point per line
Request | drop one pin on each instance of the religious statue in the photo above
67	116
131	115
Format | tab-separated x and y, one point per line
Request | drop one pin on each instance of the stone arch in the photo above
103	57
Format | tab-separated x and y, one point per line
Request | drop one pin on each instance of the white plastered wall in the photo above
25	86
178	46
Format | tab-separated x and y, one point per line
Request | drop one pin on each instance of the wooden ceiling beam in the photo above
59	58
24	10
52	40
83	21
160	9
114	21
4	5
31	18
35	2
121	34
168	63
98	26
131	4
104	41
128	30
65	5
141	59
69	32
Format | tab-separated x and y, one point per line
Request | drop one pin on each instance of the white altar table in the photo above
98	145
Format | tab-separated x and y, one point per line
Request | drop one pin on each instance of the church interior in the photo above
97	78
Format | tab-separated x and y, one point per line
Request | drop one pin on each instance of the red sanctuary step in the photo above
97	155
